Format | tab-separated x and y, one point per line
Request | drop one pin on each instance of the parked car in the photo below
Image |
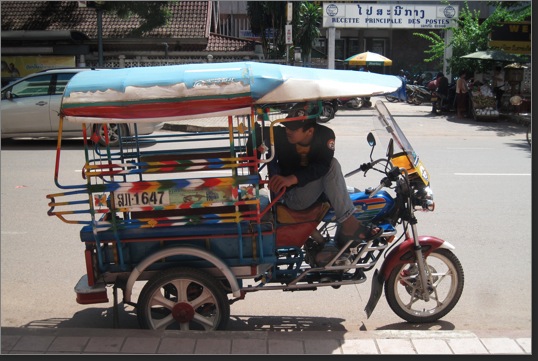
9	80
31	106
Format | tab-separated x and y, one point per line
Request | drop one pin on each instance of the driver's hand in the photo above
278	182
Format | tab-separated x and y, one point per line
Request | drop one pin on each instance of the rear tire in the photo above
183	299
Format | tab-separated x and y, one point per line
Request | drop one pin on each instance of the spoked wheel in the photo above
183	299
328	113
403	289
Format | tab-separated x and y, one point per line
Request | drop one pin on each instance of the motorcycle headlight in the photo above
423	199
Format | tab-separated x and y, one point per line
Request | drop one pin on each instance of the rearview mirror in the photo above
390	148
371	139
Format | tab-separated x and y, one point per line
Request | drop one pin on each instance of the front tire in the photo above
403	290
327	113
183	299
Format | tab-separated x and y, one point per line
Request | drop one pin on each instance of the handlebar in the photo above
392	175
365	167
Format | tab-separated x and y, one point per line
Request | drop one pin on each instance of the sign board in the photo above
289	35
513	37
19	66
248	34
289	12
395	16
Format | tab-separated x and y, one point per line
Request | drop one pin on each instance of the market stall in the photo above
483	103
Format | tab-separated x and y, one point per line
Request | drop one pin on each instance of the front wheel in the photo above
327	113
403	290
183	299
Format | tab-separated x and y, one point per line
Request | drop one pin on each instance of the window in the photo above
35	86
61	82
354	47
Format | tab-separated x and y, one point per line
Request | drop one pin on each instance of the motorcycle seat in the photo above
314	213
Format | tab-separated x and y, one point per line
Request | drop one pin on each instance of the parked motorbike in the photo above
328	112
440	103
191	219
354	103
419	94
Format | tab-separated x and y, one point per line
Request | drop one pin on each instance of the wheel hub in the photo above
183	312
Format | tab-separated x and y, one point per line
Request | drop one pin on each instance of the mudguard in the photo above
401	254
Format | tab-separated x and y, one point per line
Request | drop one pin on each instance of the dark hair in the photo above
439	75
463	72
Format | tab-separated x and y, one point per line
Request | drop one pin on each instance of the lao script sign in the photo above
360	15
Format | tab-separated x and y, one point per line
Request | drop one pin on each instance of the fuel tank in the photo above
368	209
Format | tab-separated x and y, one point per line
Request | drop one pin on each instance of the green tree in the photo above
307	29
471	34
265	15
152	14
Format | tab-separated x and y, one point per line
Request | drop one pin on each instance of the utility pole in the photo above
98	6
289	30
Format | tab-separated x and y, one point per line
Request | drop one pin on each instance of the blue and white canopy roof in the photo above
211	89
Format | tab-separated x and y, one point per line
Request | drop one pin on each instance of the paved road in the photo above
31	303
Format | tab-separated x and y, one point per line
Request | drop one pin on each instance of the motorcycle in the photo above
419	94
355	102
422	277
328	112
184	215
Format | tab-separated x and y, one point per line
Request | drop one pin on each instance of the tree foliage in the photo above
153	14
307	29
269	17
306	23
471	34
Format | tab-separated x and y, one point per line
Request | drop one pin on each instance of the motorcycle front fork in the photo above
420	263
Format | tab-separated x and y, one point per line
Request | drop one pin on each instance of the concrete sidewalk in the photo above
132	341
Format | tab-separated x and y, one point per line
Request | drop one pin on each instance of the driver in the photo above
307	169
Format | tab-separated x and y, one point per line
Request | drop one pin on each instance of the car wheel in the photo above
115	132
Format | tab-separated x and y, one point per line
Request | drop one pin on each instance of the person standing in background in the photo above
498	85
461	95
442	92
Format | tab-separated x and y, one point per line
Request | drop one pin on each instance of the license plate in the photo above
126	199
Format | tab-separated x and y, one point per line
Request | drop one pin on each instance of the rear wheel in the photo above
391	98
184	299
417	100
403	289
